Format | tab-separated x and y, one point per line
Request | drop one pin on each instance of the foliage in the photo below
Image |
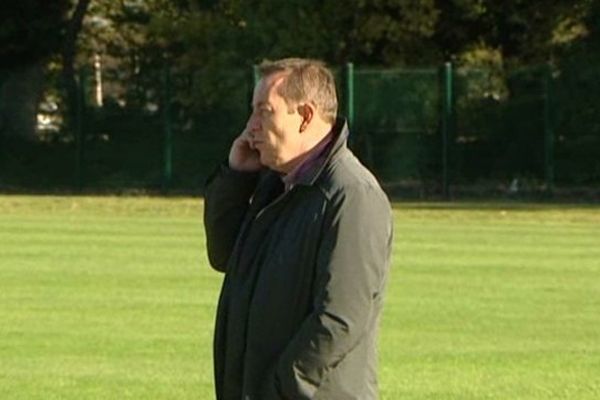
206	39
576	110
30	30
209	48
524	31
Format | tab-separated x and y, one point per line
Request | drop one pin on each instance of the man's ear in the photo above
307	111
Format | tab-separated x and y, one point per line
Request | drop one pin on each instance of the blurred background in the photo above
445	98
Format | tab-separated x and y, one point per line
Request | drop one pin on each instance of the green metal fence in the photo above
434	131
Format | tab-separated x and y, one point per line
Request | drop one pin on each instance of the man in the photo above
303	233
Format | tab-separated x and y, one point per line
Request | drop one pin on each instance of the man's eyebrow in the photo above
260	104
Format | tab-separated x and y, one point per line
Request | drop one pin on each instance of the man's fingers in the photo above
248	137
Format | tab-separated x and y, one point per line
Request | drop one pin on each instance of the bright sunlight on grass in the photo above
113	298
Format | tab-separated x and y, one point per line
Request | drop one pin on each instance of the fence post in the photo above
363	137
168	132
255	74
350	94
80	128
447	119
255	79
548	131
3	74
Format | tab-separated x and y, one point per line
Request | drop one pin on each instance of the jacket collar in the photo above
335	147
338	143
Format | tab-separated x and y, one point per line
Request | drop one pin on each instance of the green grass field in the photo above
112	298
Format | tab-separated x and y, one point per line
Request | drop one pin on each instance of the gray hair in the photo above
305	80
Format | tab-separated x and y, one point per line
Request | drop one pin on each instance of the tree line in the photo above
38	38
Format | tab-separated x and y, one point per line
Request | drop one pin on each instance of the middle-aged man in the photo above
303	233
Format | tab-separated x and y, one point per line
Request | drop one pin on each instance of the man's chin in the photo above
272	165
264	161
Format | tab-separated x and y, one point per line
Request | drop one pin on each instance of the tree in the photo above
577	99
524	32
68	52
30	32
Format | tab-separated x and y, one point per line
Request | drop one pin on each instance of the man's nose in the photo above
253	123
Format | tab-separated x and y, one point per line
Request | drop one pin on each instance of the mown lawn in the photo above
112	298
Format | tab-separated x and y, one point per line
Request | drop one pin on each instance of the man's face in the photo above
275	126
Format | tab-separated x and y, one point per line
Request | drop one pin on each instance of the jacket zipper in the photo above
272	204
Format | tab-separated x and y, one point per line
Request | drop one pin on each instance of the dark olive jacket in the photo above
305	272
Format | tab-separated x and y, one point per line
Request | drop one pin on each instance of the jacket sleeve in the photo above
351	269
226	200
